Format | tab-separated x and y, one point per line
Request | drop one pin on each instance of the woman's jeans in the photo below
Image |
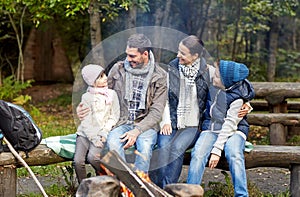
144	144
234	153
170	157
86	151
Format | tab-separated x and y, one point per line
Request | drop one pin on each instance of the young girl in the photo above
104	113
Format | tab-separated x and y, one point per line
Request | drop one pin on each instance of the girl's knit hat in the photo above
91	72
232	72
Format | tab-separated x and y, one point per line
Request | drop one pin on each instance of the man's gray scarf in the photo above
188	75
146	73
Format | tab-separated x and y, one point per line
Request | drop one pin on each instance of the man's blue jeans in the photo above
171	151
144	144
234	153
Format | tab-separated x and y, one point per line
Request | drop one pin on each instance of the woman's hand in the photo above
166	129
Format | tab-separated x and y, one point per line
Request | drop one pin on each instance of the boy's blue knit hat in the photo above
232	72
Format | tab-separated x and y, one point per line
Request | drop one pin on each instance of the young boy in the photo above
222	129
104	113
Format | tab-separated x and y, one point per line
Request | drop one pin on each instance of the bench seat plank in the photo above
260	156
272	156
41	155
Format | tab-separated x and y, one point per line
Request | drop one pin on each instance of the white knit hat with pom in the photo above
91	72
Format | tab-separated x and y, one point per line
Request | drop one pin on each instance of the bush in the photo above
11	89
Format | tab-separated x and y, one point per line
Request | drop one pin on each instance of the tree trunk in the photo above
131	22
95	28
272	41
44	53
161	19
294	33
45	58
166	13
158	16
236	30
202	26
219	29
19	38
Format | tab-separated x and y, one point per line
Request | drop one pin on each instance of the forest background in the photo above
47	40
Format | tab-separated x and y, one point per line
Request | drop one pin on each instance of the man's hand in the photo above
130	137
244	110
213	161
166	129
82	111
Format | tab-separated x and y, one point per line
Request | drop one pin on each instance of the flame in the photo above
125	191
144	176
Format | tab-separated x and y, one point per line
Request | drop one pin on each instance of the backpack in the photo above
18	128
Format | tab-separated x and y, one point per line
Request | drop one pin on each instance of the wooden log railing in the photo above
262	105
276	92
272	118
276	95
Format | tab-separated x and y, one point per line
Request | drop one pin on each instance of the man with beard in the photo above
141	86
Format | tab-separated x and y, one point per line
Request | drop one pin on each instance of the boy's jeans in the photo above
144	144
234	153
173	155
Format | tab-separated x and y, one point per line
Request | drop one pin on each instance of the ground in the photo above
268	180
40	93
272	180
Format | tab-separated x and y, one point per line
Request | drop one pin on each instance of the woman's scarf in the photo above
188	75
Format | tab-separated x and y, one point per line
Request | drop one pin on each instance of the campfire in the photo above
138	184
133	183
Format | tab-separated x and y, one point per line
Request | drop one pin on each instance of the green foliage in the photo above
70	178
11	89
40	11
288	68
58	190
53	171
48	170
259	135
53	125
53	190
258	14
220	189
61	100
294	141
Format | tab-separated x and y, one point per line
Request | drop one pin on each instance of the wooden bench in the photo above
261	156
